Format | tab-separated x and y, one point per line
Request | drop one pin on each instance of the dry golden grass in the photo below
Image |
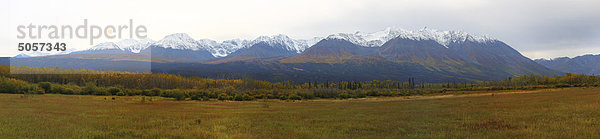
559	113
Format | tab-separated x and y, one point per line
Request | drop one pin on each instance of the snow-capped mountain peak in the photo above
105	46
274	40
446	37
224	48
127	45
134	46
178	41
290	44
376	39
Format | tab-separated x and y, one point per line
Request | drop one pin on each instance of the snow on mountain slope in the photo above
227	47
302	45
179	41
127	45
376	39
290	44
224	48
134	46
105	46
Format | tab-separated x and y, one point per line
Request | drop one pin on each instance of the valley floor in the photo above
560	113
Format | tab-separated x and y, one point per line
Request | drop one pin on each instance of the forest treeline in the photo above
112	83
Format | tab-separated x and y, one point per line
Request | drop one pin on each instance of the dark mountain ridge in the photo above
586	64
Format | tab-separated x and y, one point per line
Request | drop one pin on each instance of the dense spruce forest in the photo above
111	83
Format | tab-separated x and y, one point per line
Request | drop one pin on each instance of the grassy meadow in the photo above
557	113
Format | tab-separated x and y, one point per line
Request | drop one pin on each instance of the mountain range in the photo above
586	64
391	54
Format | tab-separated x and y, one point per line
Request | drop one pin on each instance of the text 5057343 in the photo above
42	46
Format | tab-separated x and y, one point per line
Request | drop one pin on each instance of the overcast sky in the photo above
536	28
